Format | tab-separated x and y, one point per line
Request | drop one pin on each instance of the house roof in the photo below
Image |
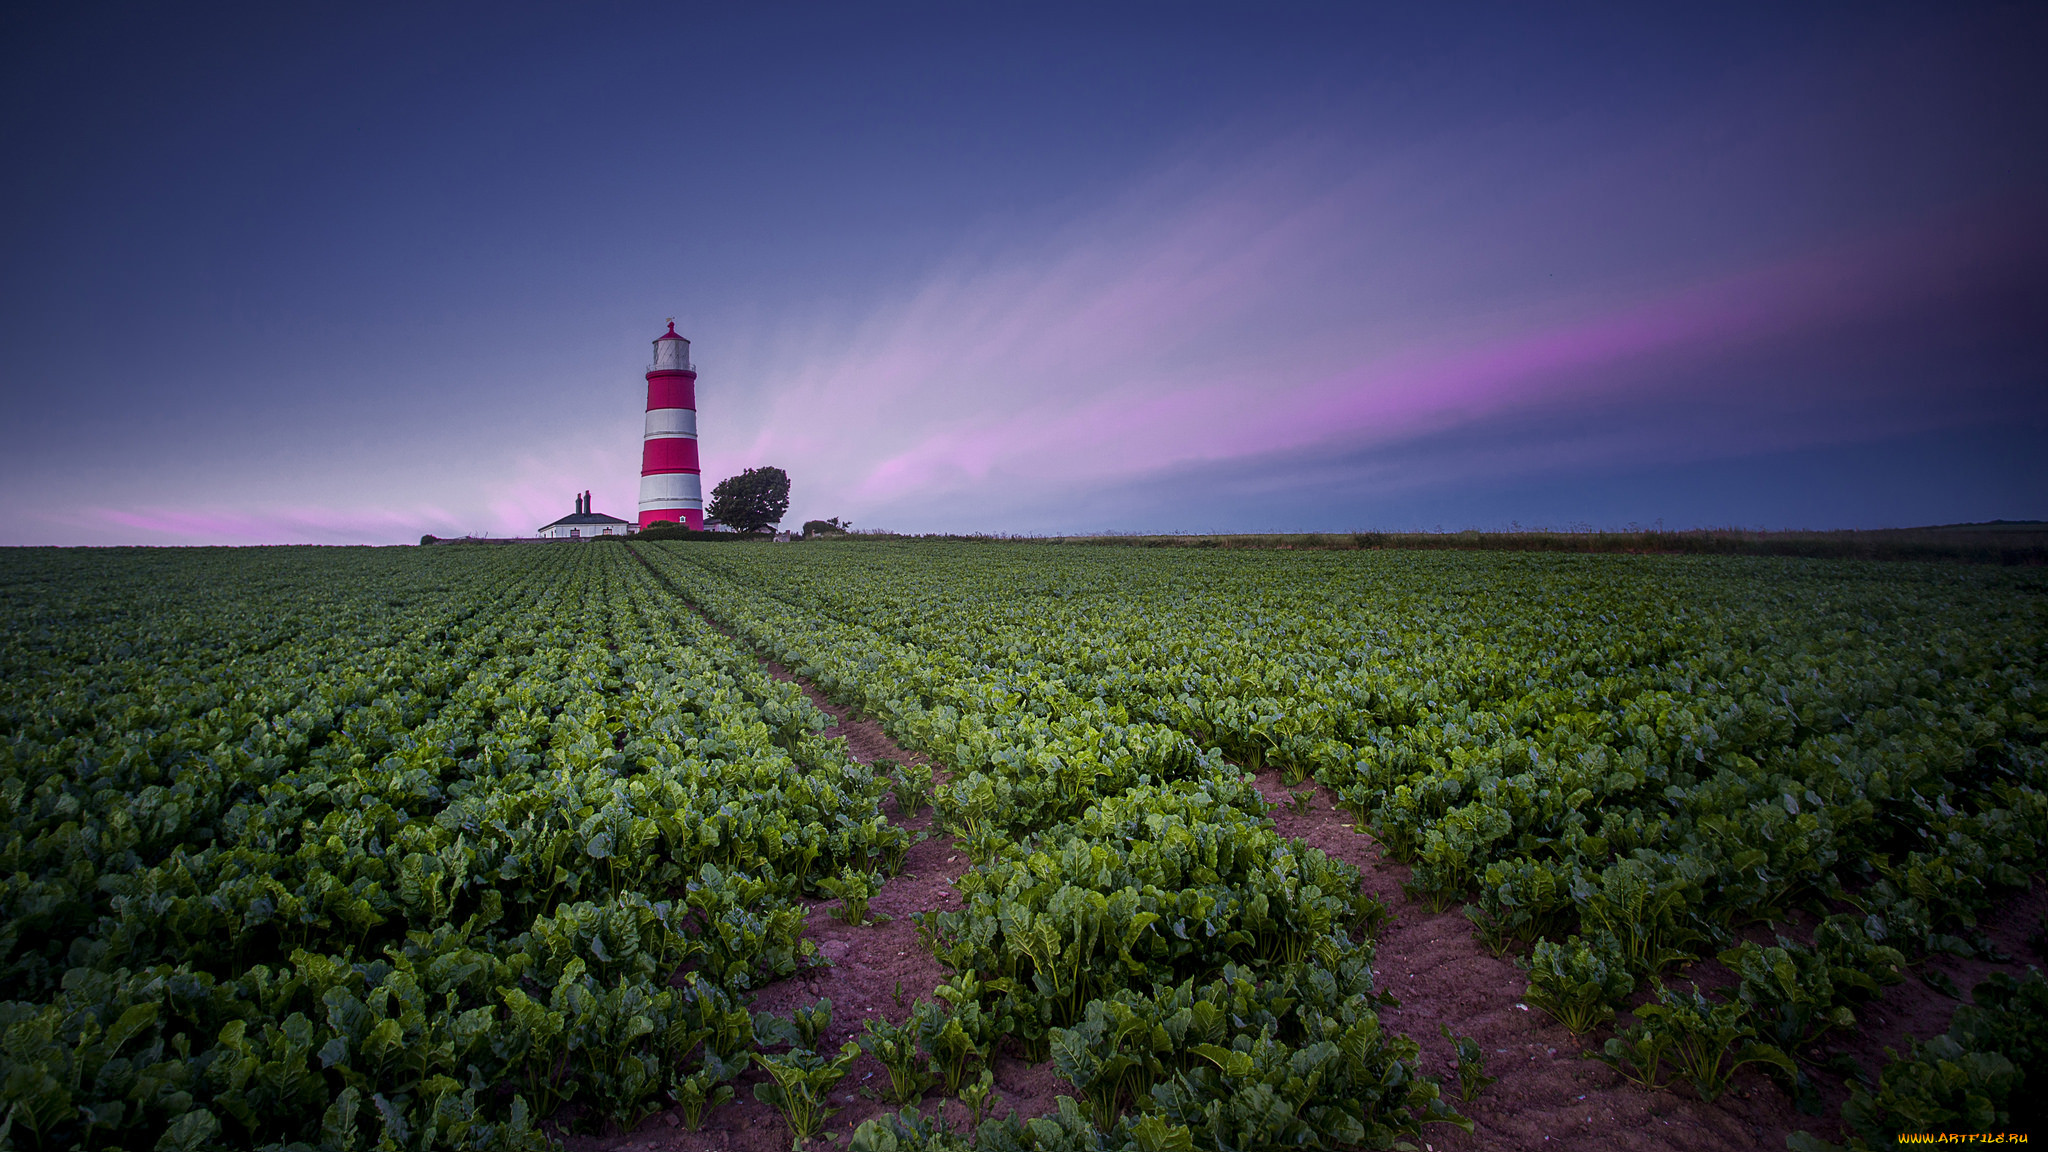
575	519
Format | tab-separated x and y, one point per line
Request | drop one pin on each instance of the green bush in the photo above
802	1028
1796	992
912	784
1151	886
1580	981
895	1047
1705	1042
1522	899
1472	1077
799	1084
853	888
1290	1058
957	1035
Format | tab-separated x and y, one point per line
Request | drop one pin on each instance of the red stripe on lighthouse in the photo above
669	454
671	389
691	518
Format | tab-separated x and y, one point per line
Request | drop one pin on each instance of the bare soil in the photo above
877	970
1548	1095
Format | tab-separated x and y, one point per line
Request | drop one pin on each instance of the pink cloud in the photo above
505	495
275	524
1087	364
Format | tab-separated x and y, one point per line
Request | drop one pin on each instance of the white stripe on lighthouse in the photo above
671	422
671	490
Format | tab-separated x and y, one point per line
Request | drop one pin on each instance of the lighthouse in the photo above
670	486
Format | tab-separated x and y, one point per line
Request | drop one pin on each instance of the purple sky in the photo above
364	274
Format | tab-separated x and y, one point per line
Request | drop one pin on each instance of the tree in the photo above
830	527
752	500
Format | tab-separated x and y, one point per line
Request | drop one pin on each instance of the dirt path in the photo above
1548	1095
874	970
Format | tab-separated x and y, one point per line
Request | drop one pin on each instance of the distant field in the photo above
1998	542
498	844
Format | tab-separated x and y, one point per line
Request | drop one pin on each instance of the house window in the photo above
575	531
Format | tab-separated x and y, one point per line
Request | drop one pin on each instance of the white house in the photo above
582	524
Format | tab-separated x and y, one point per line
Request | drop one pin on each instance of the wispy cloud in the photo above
1302	309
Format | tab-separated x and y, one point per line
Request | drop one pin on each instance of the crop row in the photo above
1131	913
1614	763
353	849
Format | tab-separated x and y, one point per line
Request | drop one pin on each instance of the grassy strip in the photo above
1998	542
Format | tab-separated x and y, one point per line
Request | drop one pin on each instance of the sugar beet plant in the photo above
391	848
1702	1039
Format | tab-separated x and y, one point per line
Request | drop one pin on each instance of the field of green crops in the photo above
419	848
358	848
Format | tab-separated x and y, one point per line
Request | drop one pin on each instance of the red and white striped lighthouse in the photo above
670	485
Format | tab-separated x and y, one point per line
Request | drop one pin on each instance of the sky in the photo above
354	274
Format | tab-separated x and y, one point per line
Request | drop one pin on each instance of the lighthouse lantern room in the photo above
671	486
